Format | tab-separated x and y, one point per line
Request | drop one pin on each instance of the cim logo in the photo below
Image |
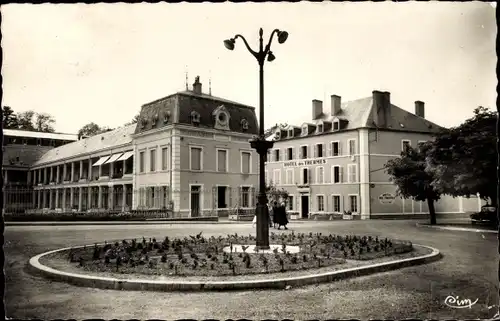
457	303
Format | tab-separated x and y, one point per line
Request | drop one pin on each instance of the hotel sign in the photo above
387	198
304	163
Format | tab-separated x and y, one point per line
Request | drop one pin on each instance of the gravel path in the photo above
468	270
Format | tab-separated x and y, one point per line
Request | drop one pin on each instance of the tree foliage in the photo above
275	194
463	159
28	120
134	120
92	129
9	118
409	174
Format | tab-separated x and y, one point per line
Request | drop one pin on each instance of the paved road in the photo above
468	270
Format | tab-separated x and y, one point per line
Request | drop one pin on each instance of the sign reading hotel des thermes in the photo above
304	163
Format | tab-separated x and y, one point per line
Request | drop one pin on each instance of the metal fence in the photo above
152	201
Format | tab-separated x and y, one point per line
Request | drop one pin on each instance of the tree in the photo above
134	120
275	194
92	129
409	174
44	123
463	159
25	120
9	118
270	131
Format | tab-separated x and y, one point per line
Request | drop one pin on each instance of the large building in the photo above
335	162
20	150
189	154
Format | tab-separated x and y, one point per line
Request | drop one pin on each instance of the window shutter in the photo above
310	176
323	147
349	168
300	152
329	148
315	148
340	149
240	197
340	174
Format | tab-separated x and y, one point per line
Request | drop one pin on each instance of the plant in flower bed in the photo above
200	256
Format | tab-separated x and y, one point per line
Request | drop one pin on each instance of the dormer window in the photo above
290	133
221	117
336	125
166	117
155	119
244	124
195	117
320	128
304	130
277	135
144	121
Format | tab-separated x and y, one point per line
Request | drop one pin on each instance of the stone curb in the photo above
35	266
455	228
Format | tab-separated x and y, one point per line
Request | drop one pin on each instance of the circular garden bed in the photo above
219	256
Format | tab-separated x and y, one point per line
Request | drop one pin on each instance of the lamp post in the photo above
260	144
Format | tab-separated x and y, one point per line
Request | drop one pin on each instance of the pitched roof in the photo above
22	155
358	113
35	134
107	140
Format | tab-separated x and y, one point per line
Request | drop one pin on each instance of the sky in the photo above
102	62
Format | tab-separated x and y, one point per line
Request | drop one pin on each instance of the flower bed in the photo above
200	256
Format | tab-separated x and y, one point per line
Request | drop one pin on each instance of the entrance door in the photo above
195	201
305	206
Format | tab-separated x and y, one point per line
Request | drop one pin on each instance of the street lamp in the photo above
260	144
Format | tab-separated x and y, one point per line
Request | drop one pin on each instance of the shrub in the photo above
184	260
164	258
304	258
212	266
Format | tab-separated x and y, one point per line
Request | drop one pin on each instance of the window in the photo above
352	147
303	152
141	162
336	203
289	153
318	150
276	155
245	162
222	160
245	197
290	133
304	130
321	203
152	160
195	155
277	176
336	125
305	176
335	149
336	174
320	128
352	173
405	144
290	203
289	176
353	203
164	158
320	175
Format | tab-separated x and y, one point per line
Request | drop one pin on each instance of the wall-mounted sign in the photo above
304	163
386	198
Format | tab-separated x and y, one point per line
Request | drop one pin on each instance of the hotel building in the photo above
335	162
188	154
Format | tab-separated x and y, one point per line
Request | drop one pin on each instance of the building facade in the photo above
189	154
335	163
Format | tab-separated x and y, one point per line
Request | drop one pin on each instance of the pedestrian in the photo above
284	218
275	213
254	221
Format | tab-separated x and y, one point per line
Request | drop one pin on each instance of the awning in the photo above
101	161
113	158
126	156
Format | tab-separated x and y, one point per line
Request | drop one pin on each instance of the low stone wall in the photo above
420	216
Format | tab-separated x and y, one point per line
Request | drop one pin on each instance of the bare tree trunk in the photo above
432	211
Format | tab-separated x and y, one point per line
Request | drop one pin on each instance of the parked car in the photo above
487	215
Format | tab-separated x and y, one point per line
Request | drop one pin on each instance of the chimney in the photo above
317	108
197	85
336	101
420	108
381	108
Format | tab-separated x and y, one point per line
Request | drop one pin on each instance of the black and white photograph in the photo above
274	160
